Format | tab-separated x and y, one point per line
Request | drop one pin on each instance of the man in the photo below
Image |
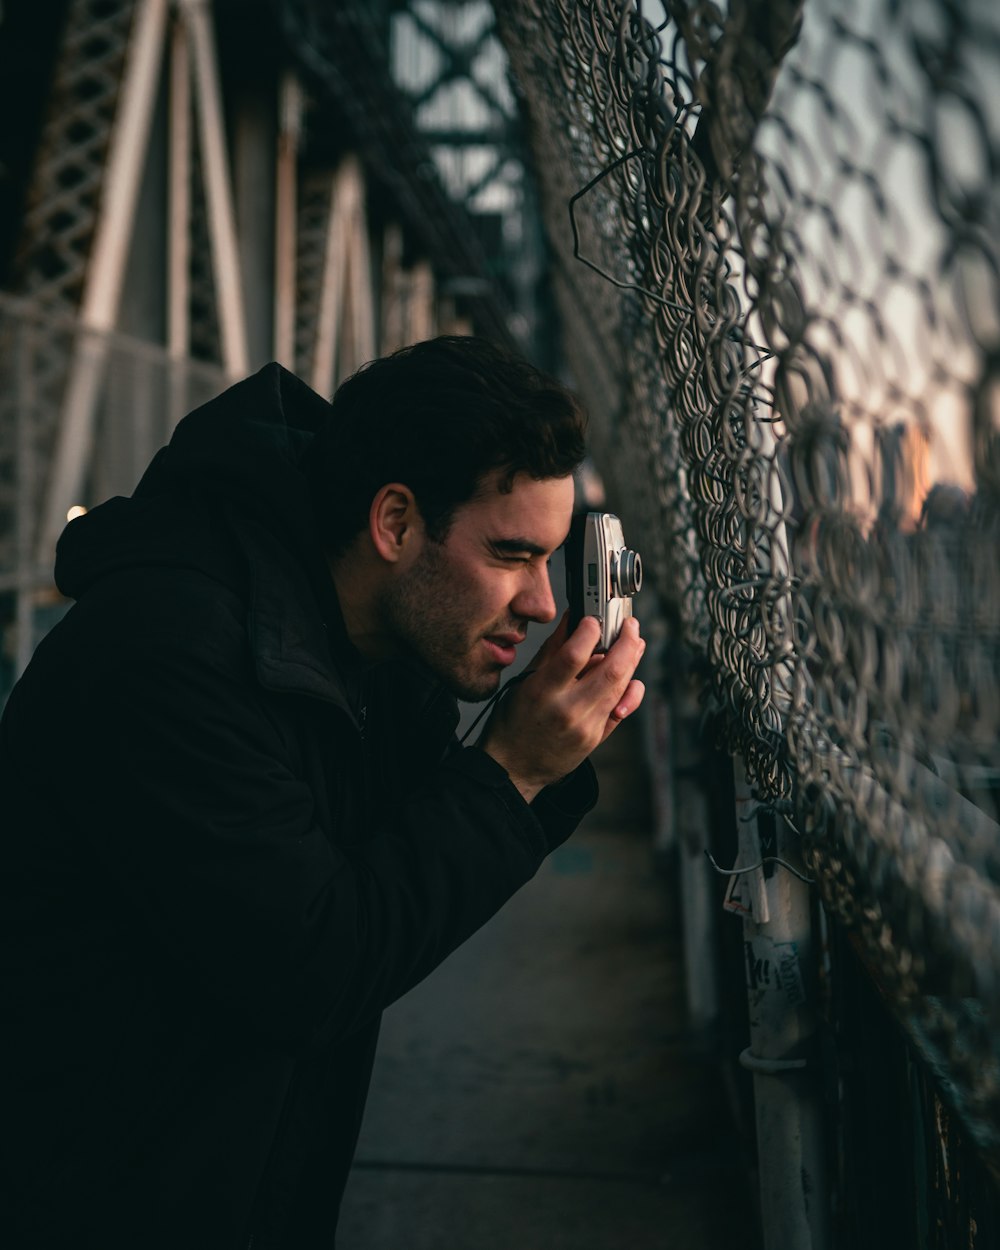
237	823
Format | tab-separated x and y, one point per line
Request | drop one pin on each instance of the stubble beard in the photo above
426	617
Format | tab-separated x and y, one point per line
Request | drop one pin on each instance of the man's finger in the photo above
575	653
628	703
630	700
610	677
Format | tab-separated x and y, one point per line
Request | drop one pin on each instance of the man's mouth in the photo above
503	647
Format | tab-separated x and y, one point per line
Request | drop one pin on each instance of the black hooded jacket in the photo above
228	844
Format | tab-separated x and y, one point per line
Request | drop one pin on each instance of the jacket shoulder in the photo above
142	616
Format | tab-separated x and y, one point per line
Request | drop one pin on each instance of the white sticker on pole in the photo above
775	965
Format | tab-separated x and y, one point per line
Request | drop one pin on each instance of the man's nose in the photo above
535	601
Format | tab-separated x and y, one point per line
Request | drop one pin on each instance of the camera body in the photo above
602	574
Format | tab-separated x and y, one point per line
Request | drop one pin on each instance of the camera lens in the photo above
626	573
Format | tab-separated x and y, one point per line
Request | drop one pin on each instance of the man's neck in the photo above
357	594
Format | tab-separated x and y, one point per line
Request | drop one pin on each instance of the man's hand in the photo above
569	704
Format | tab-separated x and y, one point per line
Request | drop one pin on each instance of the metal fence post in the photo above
25	486
782	1055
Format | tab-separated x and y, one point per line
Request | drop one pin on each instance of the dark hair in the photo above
438	416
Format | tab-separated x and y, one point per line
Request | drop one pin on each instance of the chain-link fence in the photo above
776	229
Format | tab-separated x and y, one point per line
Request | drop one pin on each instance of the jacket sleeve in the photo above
184	788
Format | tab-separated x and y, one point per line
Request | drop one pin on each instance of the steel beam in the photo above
106	268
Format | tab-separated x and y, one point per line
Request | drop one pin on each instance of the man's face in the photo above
464	604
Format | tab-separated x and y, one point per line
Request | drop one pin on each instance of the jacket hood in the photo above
226	497
238	452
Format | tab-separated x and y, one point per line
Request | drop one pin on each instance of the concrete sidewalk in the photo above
537	1092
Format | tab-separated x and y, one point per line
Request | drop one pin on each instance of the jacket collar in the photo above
288	633
300	646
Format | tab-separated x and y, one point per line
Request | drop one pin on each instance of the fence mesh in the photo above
776	228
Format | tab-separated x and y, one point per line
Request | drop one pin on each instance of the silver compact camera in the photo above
602	574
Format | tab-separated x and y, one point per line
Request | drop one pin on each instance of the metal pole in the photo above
393	288
782	1055
328	325
179	223
285	220
218	190
179	193
360	280
24	418
420	306
698	890
106	268
255	132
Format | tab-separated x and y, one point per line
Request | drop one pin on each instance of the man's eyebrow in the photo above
519	545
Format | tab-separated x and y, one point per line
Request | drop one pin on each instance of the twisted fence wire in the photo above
776	228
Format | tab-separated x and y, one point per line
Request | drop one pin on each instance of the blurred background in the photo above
760	238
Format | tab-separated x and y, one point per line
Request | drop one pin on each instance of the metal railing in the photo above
139	393
776	231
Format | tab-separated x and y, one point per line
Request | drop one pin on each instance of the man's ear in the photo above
394	523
